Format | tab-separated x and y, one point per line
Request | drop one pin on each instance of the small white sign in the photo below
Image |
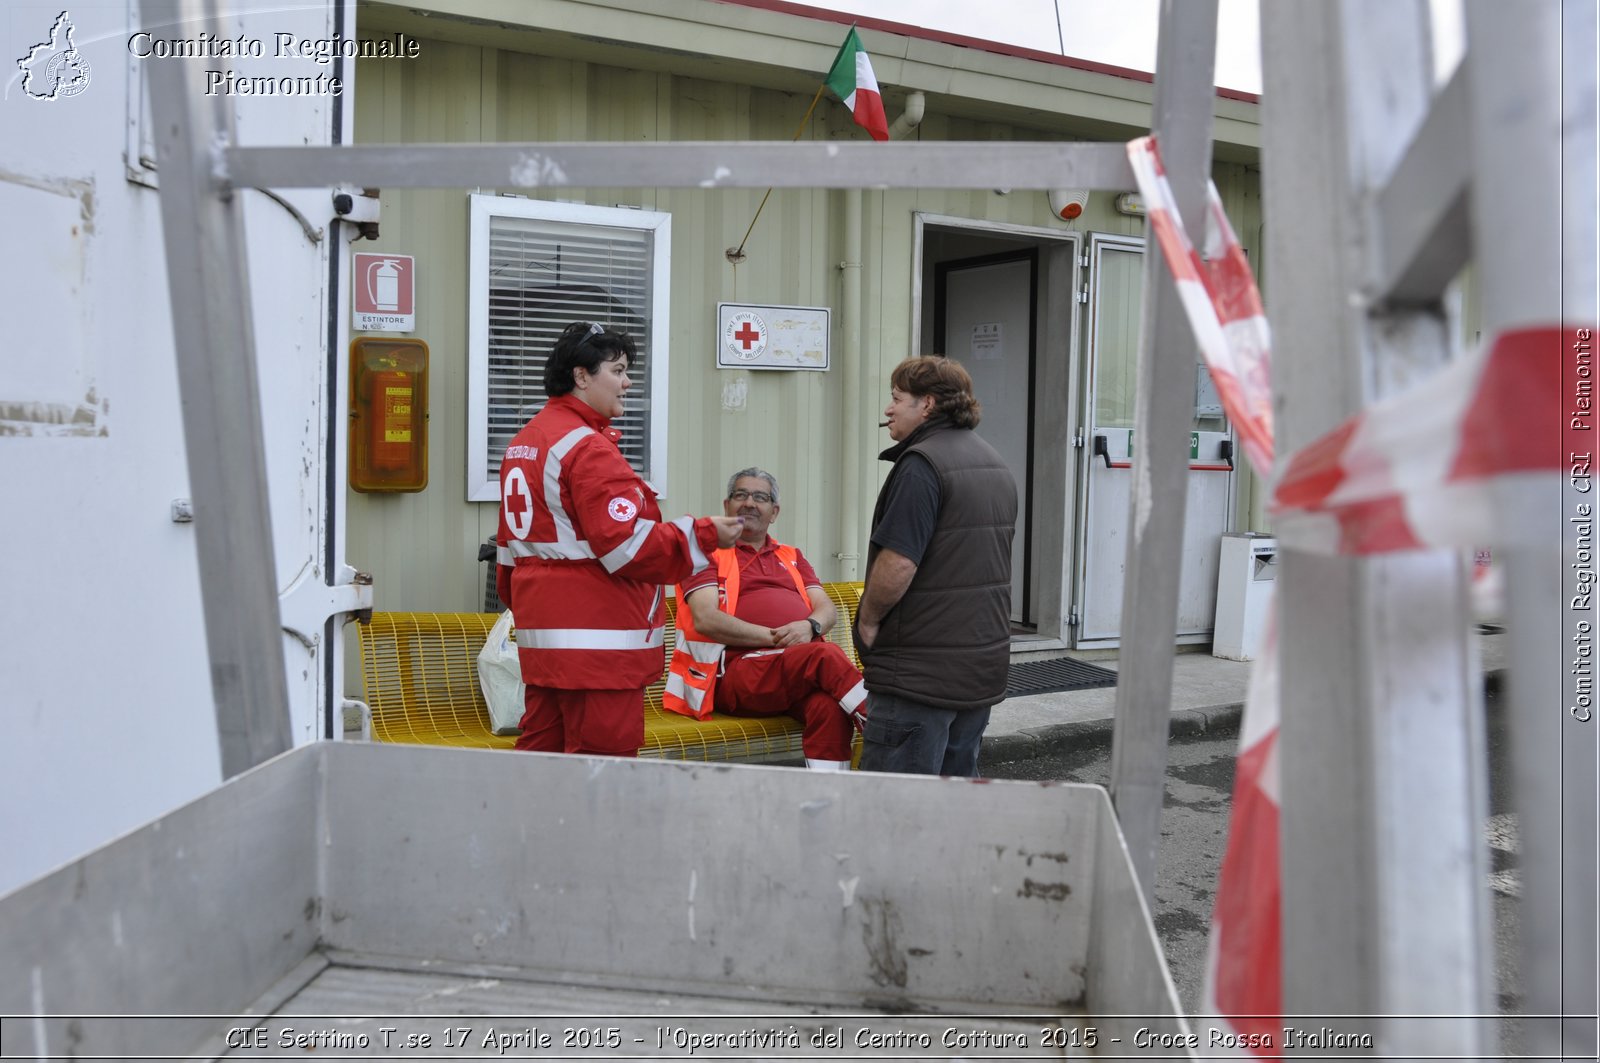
1207	402
988	342
385	292
761	336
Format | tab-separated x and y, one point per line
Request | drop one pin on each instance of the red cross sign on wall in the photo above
769	336
746	335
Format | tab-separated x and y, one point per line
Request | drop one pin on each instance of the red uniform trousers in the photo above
605	723
807	682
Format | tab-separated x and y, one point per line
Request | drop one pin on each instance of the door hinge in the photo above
1077	440
1083	296
308	603
1072	618
1084	261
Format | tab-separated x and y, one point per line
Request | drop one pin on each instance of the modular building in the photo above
112	711
768	326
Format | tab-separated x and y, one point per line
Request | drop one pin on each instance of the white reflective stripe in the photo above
566	535
694	697
703	652
589	638
827	765
697	555
854	697
575	551
629	548
505	555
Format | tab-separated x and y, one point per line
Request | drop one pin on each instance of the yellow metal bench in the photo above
419	675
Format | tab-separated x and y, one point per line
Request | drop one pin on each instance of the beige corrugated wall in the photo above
422	548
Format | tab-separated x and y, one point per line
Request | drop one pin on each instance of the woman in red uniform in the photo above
584	554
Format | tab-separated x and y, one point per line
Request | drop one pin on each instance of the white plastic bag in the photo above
500	677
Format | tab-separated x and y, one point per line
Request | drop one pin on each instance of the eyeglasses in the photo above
759	497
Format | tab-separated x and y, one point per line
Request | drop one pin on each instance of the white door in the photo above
1115	289
987	320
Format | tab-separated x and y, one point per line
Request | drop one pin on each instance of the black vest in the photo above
947	642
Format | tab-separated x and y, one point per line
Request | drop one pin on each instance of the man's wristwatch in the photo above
816	628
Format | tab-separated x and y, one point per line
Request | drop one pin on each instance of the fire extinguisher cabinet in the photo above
388	414
1246	575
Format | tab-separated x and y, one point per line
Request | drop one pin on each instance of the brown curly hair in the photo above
946	381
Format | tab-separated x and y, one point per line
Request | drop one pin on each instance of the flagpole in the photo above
737	254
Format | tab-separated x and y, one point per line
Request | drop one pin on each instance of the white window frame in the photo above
483	484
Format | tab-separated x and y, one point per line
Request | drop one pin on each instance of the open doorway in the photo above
1000	300
985	316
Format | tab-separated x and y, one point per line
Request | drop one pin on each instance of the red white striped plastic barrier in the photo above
1450	463
1220	298
1243	988
1243	985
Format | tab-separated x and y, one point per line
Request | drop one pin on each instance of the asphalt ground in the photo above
1194	829
1194	826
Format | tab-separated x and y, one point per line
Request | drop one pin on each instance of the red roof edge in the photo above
962	41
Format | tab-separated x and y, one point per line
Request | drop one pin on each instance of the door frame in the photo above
1080	524
1054	484
1080	507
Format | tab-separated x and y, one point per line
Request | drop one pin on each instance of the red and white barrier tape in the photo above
1243	984
1219	297
1451	462
1447	464
1243	987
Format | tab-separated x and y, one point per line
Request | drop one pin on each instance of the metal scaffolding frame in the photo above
1163	412
1374	207
1384	774
1533	143
1384	781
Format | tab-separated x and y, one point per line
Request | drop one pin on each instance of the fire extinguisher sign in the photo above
385	289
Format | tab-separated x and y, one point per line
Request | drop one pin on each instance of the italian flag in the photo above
852	80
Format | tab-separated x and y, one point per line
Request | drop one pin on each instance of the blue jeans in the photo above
915	739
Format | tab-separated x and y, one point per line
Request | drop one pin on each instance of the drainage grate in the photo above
1058	673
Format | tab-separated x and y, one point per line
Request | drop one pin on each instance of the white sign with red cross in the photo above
384	292
758	336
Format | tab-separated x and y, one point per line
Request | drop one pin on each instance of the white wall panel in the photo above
106	701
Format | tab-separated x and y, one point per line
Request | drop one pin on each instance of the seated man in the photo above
750	635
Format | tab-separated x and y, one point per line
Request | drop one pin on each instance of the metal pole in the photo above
858	396
1163	416
692	164
1536	150
212	335
1384	899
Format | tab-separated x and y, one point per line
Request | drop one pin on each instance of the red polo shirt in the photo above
767	596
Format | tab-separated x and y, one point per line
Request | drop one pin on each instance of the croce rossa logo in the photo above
54	68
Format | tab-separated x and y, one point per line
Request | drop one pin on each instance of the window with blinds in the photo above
536	267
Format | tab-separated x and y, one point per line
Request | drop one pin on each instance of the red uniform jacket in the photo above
584	553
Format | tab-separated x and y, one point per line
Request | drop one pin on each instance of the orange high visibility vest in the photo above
696	662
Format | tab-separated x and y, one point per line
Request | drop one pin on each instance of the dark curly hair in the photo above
946	381
583	344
